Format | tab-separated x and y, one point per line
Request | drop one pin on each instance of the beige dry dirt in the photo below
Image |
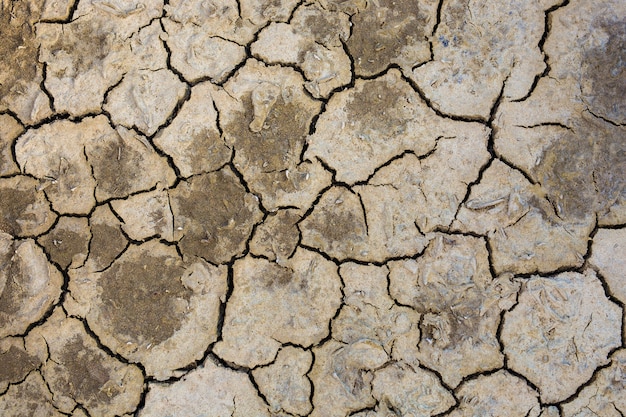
317	208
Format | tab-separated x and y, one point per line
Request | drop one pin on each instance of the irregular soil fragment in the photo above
213	216
24	209
153	95
79	372
474	58
284	382
500	394
29	398
450	284
146	215
277	237
20	72
313	41
365	127
369	313
9	130
605	395
274	304
342	376
265	114
524	232
608	254
88	55
402	389
67	243
560	332
150	303
337	225
387	32
88	161
29	285
15	362
196	393
107	240
199	55
193	139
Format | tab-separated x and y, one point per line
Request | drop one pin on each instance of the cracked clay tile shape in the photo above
366	126
225	392
145	99
79	372
497	394
284	383
29	285
20	72
90	54
31	397
266	114
213	216
561	330
605	395
274	304
152	307
9	130
452	286
24	209
193	139
474	59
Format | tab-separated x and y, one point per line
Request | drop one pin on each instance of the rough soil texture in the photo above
319	208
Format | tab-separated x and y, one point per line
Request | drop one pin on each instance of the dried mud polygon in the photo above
318	208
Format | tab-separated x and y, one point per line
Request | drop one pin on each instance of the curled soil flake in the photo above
560	332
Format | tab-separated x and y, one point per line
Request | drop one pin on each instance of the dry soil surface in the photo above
312	208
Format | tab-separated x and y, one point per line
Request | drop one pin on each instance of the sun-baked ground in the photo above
312	208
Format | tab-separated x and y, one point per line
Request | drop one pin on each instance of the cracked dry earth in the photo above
312	208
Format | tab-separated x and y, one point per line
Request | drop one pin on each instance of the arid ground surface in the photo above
312	208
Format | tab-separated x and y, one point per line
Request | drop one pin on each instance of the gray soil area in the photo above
324	208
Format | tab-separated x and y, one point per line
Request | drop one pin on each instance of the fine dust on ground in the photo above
319	208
